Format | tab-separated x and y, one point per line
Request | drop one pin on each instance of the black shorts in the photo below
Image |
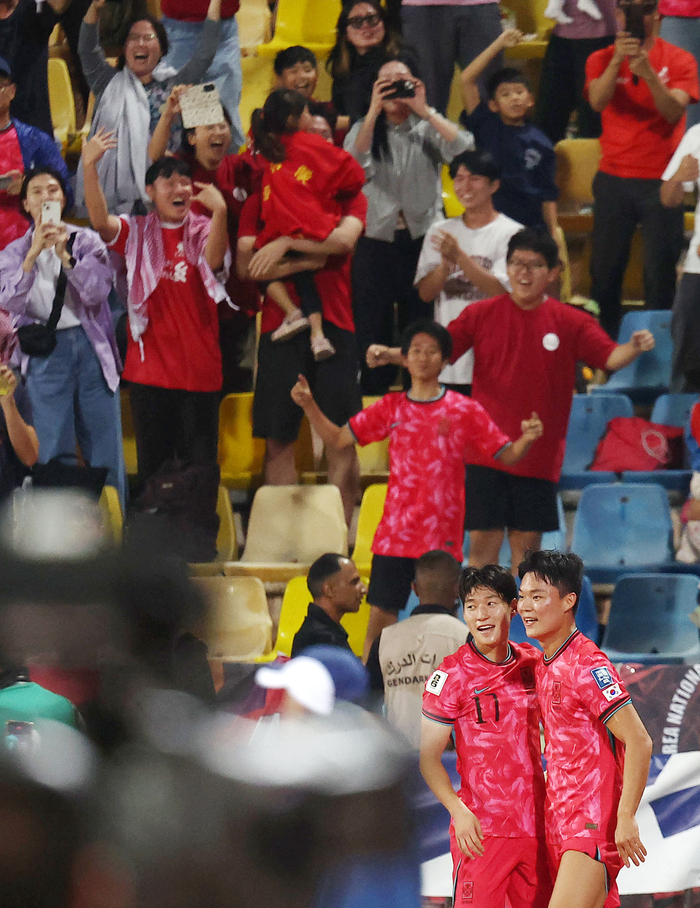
390	582
334	383
495	499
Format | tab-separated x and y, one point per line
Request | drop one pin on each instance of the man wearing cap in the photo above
337	590
19	445
307	687
21	147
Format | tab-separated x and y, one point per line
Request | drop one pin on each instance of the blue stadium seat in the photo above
586	618
649	375
669	410
649	619
622	527
590	415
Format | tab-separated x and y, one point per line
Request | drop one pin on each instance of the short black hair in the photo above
165	167
490	577
438	560
431	328
324	567
320	109
534	239
159	30
562	570
37	172
506	74
290	56
479	162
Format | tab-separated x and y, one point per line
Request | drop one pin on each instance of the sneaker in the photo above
290	327
322	349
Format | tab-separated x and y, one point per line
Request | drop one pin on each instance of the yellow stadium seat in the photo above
371	511
238	627
61	101
374	457
226	542
112	516
577	164
308	22
453	207
240	455
254	25
294	607
288	529
530	19
128	437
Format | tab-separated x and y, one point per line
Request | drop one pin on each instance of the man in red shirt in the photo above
596	747
526	346
641	88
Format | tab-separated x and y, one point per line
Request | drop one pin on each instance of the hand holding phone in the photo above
51	213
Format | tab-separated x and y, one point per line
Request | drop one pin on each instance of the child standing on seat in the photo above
302	186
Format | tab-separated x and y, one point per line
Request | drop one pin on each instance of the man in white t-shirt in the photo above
683	175
463	259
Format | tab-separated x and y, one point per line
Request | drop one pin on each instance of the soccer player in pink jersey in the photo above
432	432
597	749
485	694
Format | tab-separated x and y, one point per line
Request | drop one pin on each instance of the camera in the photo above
402	88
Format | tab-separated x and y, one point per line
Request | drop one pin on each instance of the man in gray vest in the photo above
405	655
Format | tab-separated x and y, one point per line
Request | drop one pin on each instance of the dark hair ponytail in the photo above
279	116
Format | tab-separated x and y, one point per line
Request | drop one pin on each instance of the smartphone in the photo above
51	213
402	88
200	106
634	20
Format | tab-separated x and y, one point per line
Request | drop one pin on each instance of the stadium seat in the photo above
254	22
112	513
240	455
649	375
649	619
61	101
590	415
586	617
622	527
294	607
288	529
669	410
238	626
308	22
530	19
577	164
226	542
371	510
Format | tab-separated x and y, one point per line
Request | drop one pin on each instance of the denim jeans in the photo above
225	69
684	32
71	402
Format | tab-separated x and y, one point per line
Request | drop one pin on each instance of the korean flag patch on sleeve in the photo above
436	682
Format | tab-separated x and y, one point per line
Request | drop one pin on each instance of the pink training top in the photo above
493	708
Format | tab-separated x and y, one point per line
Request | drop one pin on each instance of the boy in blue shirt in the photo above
500	125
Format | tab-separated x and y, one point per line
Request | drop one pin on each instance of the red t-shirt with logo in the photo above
332	281
525	361
579	691
429	443
493	709
13	224
636	140
181	343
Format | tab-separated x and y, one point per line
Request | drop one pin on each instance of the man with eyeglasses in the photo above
641	85
526	346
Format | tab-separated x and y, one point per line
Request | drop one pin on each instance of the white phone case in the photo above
200	106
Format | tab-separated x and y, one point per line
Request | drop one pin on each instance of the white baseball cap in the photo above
305	679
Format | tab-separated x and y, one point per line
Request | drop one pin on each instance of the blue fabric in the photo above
71	402
225	70
39	150
526	159
684	31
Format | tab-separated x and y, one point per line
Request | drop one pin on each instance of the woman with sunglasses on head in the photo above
129	99
364	41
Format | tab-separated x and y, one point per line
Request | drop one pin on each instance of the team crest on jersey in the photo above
528	677
436	682
610	693
556	693
602	677
468	891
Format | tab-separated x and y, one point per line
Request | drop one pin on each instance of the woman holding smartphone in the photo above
73	387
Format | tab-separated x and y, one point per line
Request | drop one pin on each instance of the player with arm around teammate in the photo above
485	694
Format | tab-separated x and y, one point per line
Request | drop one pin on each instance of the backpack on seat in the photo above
633	443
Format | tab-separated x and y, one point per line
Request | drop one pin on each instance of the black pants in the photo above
621	203
685	331
561	88
382	275
170	423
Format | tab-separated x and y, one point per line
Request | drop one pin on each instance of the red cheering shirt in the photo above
525	361
636	140
429	442
181	343
302	195
13	223
493	708
332	281
579	690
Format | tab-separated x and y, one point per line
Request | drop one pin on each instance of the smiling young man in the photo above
597	749
485	695
526	345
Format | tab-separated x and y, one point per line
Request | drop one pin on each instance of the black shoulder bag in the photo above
40	340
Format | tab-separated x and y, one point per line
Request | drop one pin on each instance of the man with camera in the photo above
641	86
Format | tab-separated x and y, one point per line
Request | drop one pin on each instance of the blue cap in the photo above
5	68
349	675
